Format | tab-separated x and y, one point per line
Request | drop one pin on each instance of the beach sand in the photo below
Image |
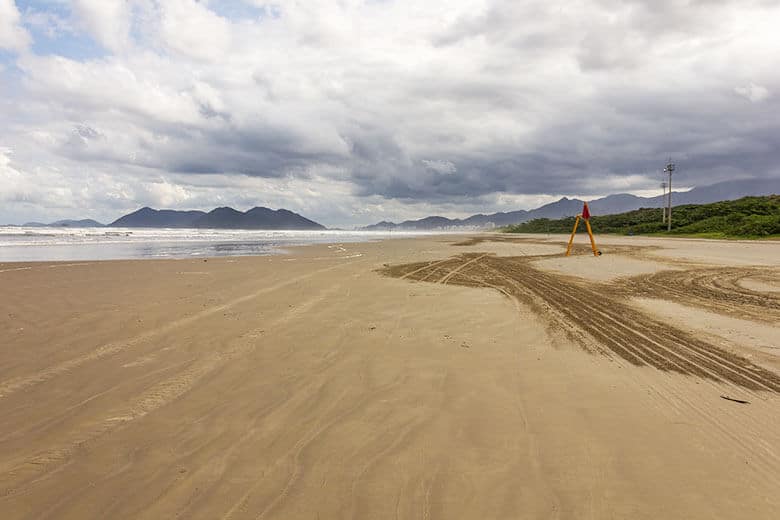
409	378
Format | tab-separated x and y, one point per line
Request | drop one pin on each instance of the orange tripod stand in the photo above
585	215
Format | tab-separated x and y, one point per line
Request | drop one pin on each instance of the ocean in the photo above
26	244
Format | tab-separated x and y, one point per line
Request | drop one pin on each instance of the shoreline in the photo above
273	248
291	250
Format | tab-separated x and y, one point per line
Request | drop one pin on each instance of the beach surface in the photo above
482	376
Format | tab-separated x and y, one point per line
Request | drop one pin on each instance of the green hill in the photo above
748	217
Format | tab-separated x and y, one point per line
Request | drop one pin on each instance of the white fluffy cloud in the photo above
108	21
357	110
12	35
189	28
753	93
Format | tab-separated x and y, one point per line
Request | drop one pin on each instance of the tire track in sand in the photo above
626	332
632	336
16	384
32	468
717	289
296	453
668	397
461	267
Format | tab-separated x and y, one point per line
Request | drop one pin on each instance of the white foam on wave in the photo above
70	244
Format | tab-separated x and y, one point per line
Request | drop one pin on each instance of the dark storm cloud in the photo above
616	132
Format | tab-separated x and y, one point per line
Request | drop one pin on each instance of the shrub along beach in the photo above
748	217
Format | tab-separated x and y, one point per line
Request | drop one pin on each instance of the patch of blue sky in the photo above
40	5
7	61
79	47
53	33
10	75
237	10
35	12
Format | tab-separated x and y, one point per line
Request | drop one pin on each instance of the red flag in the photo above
585	211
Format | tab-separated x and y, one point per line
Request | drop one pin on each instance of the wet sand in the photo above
410	378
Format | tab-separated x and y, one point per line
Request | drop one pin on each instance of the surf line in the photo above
15	269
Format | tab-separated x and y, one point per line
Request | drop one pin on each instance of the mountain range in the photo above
220	218
609	205
87	222
265	218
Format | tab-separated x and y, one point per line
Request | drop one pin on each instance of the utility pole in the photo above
663	208
669	169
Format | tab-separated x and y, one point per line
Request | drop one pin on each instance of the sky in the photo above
355	111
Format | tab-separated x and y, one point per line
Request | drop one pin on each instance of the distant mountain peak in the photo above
611	204
82	223
223	217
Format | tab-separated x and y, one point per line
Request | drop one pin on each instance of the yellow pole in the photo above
573	232
592	240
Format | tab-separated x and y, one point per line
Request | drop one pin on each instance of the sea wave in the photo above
66	243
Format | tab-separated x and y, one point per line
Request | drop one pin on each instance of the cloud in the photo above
753	93
440	166
12	36
388	109
108	21
189	28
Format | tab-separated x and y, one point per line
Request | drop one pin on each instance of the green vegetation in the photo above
749	217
